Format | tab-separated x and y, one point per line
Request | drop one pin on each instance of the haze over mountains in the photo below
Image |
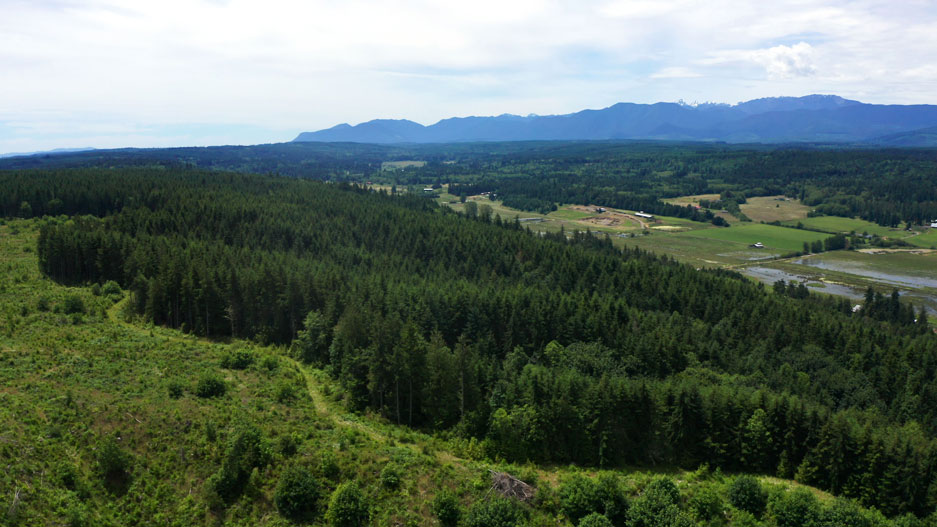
813	118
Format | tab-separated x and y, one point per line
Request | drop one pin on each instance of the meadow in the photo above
836	224
773	237
774	208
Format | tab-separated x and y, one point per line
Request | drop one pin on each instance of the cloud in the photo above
103	68
675	72
784	62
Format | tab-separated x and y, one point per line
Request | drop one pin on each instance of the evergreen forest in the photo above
528	348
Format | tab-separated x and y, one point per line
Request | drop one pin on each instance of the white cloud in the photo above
787	61
103	68
675	72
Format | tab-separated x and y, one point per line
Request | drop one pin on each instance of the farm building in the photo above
933	224
757	245
642	214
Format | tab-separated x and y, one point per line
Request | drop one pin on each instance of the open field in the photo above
773	237
394	165
698	250
774	208
691	200
836	224
927	239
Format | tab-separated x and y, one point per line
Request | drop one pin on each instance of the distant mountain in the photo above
813	118
925	137
47	152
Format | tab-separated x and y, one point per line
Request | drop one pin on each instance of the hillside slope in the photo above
101	424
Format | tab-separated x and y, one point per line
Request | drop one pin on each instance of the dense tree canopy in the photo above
543	348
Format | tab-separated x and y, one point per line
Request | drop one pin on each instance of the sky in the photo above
118	73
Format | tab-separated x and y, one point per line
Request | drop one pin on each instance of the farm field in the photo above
394	165
928	239
773	237
699	251
836	224
774	208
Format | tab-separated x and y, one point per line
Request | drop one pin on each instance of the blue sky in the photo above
113	73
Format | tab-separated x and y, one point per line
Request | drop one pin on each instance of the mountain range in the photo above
812	118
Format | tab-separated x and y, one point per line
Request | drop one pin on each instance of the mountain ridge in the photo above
811	118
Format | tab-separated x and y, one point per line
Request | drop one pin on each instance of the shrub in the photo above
796	509
347	507
237	360
390	476
446	508
297	494
247	451
175	389
658	506
210	386
111	288
74	304
745	493
287	445
328	466
286	392
595	520
112	461
498	512
707	505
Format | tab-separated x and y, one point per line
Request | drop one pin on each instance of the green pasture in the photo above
773	237
774	208
928	239
836	224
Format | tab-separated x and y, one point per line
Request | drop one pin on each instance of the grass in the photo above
691	200
570	214
836	224
698	251
394	165
773	237
928	239
774	208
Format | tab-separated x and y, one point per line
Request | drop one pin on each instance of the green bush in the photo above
707	505
595	520
745	493
237	360
297	494
288	445
111	288
498	512
175	389
111	460
210	386
286	392
581	496
796	509
247	451
446	508
74	304
390	476
348	507
658	506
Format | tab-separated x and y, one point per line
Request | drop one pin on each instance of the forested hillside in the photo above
886	186
550	349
